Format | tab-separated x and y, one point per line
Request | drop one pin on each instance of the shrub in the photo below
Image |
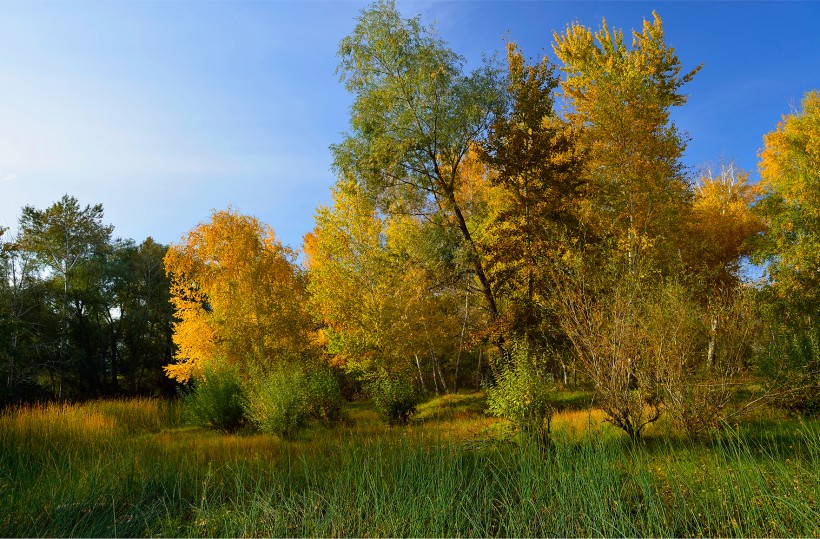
705	352
277	403
792	364
394	399
216	401
523	393
323	396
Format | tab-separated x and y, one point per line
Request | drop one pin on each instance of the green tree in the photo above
62	237
142	327
19	303
413	120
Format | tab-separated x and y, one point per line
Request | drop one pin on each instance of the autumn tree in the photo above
720	227
413	120
790	248
790	172
237	295
620	98
535	183
380	317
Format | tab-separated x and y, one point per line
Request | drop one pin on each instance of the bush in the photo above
792	364
323	397
282	401
277	403
523	394
395	399
216	401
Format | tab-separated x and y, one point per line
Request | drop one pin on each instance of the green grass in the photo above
130	469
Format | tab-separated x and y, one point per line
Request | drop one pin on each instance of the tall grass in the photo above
119	475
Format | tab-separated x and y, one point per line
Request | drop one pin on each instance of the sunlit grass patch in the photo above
455	406
46	424
428	479
579	423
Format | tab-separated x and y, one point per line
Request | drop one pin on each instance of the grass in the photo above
129	468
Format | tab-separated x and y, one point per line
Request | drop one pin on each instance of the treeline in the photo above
82	315
522	227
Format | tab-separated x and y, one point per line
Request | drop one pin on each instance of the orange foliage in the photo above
238	296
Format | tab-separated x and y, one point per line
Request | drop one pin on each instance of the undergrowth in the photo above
128	468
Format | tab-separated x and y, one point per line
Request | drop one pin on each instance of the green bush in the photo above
792	363
277	403
282	401
216	400
323	396
523	393
395	400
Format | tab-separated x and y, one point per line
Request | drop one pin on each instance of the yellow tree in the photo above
354	284
720	227
532	197
620	98
790	171
371	294
237	296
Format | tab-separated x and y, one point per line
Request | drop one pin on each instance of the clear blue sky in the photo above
163	111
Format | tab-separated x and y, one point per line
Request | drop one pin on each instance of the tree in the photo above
18	303
238	297
610	343
720	226
140	292
383	312
790	248
62	237
790	172
620	99
535	187
414	118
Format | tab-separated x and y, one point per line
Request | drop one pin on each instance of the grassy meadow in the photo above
131	468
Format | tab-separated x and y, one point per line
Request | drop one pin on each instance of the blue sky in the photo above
163	111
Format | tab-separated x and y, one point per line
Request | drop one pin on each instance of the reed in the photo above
130	469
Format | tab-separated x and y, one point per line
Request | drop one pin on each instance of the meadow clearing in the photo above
132	468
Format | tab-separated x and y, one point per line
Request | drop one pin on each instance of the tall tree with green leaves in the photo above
413	120
62	237
140	317
18	303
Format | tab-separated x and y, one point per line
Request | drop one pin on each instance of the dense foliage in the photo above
541	205
81	314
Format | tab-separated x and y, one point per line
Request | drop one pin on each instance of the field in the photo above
131	468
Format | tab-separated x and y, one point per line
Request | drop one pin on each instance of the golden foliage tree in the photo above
379	315
533	193
237	295
720	227
790	171
620	98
